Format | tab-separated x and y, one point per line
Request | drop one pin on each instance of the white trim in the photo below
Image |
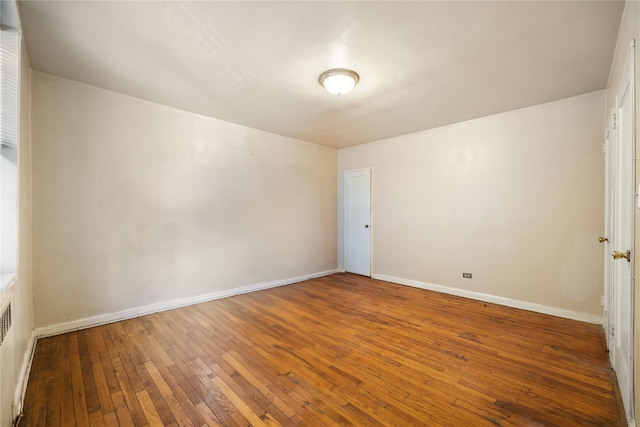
538	308
102	319
23	377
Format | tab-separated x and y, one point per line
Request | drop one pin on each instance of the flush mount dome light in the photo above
339	80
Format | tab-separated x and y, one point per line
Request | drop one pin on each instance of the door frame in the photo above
346	230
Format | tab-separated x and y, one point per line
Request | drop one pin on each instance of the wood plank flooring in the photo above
339	350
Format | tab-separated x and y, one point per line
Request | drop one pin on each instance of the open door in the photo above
620	246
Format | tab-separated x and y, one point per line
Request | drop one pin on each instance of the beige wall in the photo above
630	30
136	203
15	351
516	199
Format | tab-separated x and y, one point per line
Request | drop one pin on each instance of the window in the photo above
9	81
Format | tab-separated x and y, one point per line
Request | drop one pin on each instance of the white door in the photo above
609	179
622	238
357	221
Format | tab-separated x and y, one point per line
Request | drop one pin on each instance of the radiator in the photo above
5	322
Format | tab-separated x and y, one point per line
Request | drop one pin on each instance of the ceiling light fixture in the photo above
339	80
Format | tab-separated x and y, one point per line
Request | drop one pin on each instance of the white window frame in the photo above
10	50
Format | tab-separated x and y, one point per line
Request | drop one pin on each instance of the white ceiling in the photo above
421	64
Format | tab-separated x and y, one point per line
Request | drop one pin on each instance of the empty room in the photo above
318	213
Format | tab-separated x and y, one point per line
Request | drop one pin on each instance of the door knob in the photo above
366	226
620	255
602	239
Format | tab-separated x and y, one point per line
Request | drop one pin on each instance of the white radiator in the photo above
5	322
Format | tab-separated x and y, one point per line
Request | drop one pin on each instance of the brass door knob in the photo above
620	255
602	239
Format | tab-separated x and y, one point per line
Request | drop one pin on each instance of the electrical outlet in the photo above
466	275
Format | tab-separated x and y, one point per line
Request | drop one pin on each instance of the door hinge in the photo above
614	121
604	147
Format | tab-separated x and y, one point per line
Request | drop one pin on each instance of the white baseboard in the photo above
23	376
538	308
102	319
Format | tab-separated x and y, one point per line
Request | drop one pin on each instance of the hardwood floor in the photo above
339	350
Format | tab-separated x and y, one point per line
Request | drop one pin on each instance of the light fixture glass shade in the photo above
339	81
